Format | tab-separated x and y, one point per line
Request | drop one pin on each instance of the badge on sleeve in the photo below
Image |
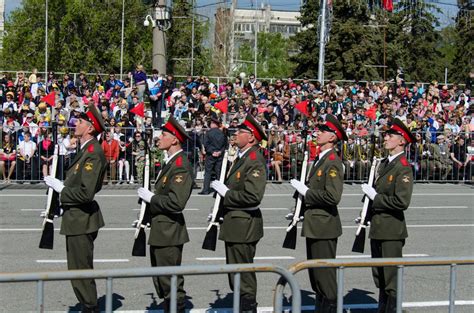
178	179
76	168
238	175
390	178
256	173
406	179
88	166
320	173
332	173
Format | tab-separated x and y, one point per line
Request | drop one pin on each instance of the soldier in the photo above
362	162
348	157
82	217
322	224
173	188
242	193
390	197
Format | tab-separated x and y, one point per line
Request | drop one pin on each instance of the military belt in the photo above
244	209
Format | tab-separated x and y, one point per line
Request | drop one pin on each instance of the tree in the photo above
179	41
82	35
272	56
464	43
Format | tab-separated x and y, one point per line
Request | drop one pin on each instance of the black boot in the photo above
318	304
330	306
91	309
248	305
181	307
391	306
382	301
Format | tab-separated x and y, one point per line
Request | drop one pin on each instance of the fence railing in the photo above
431	162
173	271
400	263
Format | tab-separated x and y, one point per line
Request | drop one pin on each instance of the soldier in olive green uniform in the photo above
242	193
168	233
82	217
322	224
390	196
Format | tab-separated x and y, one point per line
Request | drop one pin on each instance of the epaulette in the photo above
90	148
404	161
179	161
253	155
332	157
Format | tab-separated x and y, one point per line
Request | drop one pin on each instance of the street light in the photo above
147	22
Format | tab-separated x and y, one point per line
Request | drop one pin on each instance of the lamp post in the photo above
160	20
46	43
122	39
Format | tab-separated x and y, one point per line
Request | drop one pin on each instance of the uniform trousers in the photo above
167	256
385	278
212	164
80	256
323	280
243	253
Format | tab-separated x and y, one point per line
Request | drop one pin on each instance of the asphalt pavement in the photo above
440	223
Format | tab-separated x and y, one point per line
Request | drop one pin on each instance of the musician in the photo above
242	192
168	233
390	196
322	224
82	217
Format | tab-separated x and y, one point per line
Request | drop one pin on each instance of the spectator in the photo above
111	152
46	153
7	158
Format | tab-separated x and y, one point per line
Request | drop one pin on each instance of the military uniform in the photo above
388	229
348	159
168	232
82	217
242	225
322	224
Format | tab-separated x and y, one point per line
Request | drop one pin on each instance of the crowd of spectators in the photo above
290	110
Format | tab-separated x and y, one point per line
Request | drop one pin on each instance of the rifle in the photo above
364	218
139	245
290	238
211	233
52	206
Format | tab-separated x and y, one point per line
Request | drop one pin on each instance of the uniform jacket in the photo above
83	180
394	186
246	181
173	188
325	183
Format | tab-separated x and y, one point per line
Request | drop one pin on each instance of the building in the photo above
237	26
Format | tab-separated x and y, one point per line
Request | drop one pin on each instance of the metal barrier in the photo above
173	271
430	162
400	263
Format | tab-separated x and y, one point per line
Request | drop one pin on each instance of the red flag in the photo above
50	98
371	113
139	109
387	5
223	105
303	107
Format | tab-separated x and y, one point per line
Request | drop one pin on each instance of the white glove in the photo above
145	194
54	183
299	186
219	187
369	191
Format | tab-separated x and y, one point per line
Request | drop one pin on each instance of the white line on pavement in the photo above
256	258
204	228
362	256
358	306
95	261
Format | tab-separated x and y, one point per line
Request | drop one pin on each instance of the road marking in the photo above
190	209
362	256
204	228
256	258
95	261
358	306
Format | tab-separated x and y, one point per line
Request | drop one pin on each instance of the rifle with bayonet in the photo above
291	231
364	219
139	245
210	240
52	208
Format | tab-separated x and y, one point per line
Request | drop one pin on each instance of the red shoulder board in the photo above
253	155
179	161
332	157
90	148
404	161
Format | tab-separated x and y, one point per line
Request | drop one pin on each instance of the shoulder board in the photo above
253	155
179	161
404	161
332	157
90	148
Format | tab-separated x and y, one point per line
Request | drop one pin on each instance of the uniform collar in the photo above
172	156
393	157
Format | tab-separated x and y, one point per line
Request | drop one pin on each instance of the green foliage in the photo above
359	37
464	46
272	56
82	35
179	45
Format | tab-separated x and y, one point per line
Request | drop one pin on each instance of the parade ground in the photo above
440	224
